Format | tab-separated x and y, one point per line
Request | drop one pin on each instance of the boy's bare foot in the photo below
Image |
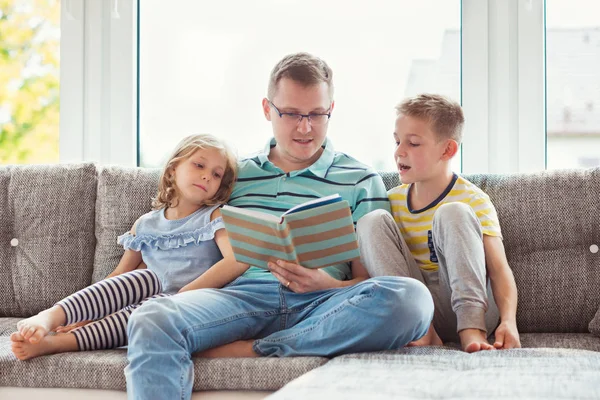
473	340
431	338
35	328
60	343
240	348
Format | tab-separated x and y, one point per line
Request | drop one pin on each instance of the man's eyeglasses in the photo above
295	118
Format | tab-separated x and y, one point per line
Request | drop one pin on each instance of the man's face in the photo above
298	143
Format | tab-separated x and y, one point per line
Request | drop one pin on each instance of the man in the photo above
289	310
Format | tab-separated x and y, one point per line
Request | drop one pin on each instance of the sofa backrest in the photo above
124	194
46	234
66	219
549	221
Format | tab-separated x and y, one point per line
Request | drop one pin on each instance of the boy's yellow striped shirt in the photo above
416	225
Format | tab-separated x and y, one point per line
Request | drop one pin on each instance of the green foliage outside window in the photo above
29	81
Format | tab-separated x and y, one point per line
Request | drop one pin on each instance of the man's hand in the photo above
300	279
507	336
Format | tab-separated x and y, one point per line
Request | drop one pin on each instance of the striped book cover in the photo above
314	234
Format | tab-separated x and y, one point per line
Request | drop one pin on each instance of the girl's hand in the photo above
300	279
69	328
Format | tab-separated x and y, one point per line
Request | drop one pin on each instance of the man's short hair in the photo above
444	115
303	68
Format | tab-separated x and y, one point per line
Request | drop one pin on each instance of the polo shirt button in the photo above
283	178
14	242
594	248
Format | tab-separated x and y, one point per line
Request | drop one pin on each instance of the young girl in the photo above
181	245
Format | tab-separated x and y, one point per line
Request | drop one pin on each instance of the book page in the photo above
313	204
252	213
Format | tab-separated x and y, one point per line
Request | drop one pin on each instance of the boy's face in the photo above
420	155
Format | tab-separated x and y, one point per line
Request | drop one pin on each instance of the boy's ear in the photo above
450	150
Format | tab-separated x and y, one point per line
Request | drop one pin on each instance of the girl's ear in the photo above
450	150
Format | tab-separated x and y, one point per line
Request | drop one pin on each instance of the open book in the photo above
315	234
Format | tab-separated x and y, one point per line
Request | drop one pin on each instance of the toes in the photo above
473	347
28	332
37	336
17	337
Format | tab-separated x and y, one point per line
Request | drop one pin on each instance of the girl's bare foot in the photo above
35	328
240	348
431	338
473	340
60	343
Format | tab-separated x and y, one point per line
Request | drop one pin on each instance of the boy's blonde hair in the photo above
444	115
167	190
303	68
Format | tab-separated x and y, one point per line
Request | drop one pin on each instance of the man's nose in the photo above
304	126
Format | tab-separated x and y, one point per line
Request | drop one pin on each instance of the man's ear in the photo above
450	150
266	109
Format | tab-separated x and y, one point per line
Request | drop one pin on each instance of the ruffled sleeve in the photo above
166	242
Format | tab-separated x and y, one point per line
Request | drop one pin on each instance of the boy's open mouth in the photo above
303	141
403	167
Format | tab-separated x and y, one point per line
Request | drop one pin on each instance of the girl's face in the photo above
199	176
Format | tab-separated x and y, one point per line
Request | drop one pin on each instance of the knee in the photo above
454	215
408	301
373	220
148	320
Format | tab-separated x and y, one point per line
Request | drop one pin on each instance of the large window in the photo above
29	81
573	83
204	67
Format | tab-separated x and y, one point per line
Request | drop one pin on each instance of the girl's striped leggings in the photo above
109	303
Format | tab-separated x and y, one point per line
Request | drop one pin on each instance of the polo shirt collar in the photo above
318	168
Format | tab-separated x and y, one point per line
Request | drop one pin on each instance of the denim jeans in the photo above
377	314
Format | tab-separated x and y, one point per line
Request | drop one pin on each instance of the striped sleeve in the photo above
369	195
486	213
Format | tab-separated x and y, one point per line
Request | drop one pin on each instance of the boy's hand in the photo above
507	336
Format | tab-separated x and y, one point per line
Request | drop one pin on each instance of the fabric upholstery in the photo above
104	370
549	220
124	194
47	214
67	219
441	373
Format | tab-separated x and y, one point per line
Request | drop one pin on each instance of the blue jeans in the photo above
377	314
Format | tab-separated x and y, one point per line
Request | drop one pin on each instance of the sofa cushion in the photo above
104	370
442	373
47	236
124	194
549	220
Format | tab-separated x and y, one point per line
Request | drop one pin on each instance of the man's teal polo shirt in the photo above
262	186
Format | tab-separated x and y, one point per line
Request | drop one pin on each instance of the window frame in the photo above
502	84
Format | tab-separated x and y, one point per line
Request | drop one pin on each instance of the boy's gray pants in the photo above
460	288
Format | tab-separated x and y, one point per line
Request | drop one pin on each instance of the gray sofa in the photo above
58	234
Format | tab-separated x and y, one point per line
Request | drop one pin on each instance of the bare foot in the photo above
35	328
431	338
241	348
473	340
60	343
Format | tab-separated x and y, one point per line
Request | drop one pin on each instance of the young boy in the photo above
444	232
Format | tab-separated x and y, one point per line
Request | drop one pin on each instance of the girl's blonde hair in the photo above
167	190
